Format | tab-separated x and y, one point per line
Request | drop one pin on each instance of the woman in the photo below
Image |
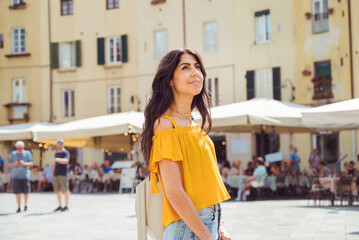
179	154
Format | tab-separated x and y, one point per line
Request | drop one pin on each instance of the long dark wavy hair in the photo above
162	97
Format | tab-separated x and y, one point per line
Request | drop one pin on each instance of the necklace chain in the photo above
184	116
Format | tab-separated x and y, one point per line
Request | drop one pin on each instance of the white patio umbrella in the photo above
22	131
339	115
255	113
111	124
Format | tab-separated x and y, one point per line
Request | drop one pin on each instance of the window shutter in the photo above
276	84
54	55
100	51
124	48
78	53
250	84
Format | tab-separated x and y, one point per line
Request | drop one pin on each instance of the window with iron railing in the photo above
320	20
322	81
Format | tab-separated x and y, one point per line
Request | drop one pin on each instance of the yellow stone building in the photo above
71	60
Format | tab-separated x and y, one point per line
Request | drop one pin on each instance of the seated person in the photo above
106	170
236	169
346	169
258	178
275	170
250	169
45	179
324	170
351	169
225	169
34	178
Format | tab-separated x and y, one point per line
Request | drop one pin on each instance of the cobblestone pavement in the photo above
112	216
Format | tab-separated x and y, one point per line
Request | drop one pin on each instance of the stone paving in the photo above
112	216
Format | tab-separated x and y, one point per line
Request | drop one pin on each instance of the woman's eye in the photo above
184	67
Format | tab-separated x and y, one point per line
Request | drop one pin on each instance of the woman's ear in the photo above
171	82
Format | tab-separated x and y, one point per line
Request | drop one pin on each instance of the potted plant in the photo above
306	73
308	15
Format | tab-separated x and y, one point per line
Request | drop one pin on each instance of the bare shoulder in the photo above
161	123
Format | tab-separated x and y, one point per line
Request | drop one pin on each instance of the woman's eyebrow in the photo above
186	63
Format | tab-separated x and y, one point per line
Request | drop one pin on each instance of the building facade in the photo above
65	60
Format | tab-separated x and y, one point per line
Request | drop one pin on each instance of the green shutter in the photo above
250	84
78	53
100	51
124	48
323	69
260	13
276	84
54	55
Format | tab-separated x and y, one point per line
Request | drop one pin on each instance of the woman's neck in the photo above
182	104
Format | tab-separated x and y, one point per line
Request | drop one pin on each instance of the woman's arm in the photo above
179	199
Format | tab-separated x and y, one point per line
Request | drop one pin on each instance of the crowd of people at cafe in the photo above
84	178
286	172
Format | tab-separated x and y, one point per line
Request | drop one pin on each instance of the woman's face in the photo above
187	78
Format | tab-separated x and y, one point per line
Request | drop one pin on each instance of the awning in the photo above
111	124
334	116
22	131
256	114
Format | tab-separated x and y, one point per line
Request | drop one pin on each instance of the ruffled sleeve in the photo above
165	145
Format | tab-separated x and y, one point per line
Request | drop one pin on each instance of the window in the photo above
264	83
19	90
112	4
1	40
18	40
322	81
320	22
67	55
160	43
17	2
114	51
210	37
67	7
213	89
114	99
68	103
263	28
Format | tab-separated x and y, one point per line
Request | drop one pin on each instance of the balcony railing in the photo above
320	22
18	112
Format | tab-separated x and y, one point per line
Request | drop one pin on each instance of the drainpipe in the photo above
350	50
351	76
49	43
184	22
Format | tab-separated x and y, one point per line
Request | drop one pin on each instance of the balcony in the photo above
322	87
320	22
18	112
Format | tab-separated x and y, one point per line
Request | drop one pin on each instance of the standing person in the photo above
179	152
59	180
294	156
20	162
314	160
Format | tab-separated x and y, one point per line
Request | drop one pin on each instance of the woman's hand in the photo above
224	235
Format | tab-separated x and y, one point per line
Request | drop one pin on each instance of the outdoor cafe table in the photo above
329	183
271	183
237	181
111	176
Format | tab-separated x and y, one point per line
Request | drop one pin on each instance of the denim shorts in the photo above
210	216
